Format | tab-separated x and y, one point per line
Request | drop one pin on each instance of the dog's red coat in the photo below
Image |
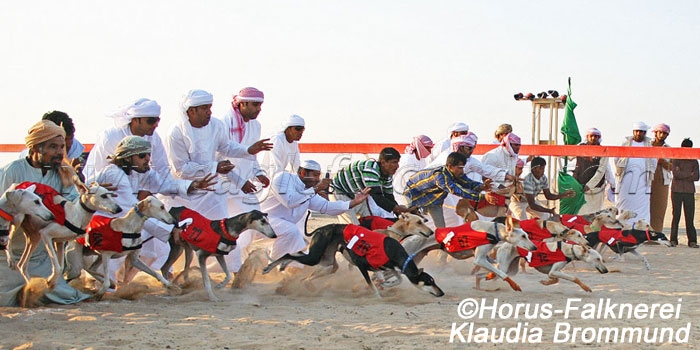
200	233
575	222
370	244
534	231
47	193
500	202
100	236
612	235
542	256
375	222
465	238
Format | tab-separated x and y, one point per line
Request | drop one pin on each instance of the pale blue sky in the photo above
357	71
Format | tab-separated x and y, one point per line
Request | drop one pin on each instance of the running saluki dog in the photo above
116	237
473	239
211	237
16	203
70	221
549	258
368	250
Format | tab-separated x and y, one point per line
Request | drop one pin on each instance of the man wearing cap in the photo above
443	145
658	199
194	145
375	174
592	173
139	118
44	164
129	171
429	188
285	155
634	175
294	194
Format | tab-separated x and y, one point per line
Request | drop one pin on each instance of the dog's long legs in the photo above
365	274
644	258
202	258
555	273
48	243
224	267
105	280
137	263
481	259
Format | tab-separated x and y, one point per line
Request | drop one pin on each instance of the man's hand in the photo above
360	197
203	184
399	209
486	186
109	186
569	194
263	180
262	145
490	198
248	188
585	188
224	167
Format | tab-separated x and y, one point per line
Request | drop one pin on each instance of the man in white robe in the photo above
412	161
243	127
139	118
443	145
285	155
294	194
634	175
192	145
504	157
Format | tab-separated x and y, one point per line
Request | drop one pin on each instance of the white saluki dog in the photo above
491	232
556	256
128	229
77	215
14	204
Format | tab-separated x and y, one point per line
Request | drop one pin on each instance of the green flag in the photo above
569	127
565	182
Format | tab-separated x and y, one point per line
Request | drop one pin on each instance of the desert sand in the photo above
278	311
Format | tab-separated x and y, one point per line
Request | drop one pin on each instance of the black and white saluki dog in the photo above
368	250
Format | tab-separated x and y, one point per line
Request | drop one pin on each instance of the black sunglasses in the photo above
152	120
143	155
299	128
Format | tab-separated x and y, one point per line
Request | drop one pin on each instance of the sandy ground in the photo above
277	311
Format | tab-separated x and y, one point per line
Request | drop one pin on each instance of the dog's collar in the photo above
224	231
405	263
648	236
139	213
573	251
85	207
495	228
5	215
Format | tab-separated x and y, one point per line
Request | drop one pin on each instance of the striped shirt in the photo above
358	175
533	186
431	186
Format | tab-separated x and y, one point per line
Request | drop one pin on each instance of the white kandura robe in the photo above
238	201
106	144
193	154
284	156
633	187
287	205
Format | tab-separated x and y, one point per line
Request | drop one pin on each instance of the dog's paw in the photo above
174	289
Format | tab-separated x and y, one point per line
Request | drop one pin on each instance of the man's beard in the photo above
53	163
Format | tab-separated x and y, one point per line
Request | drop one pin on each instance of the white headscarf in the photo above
293	120
141	108
193	98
